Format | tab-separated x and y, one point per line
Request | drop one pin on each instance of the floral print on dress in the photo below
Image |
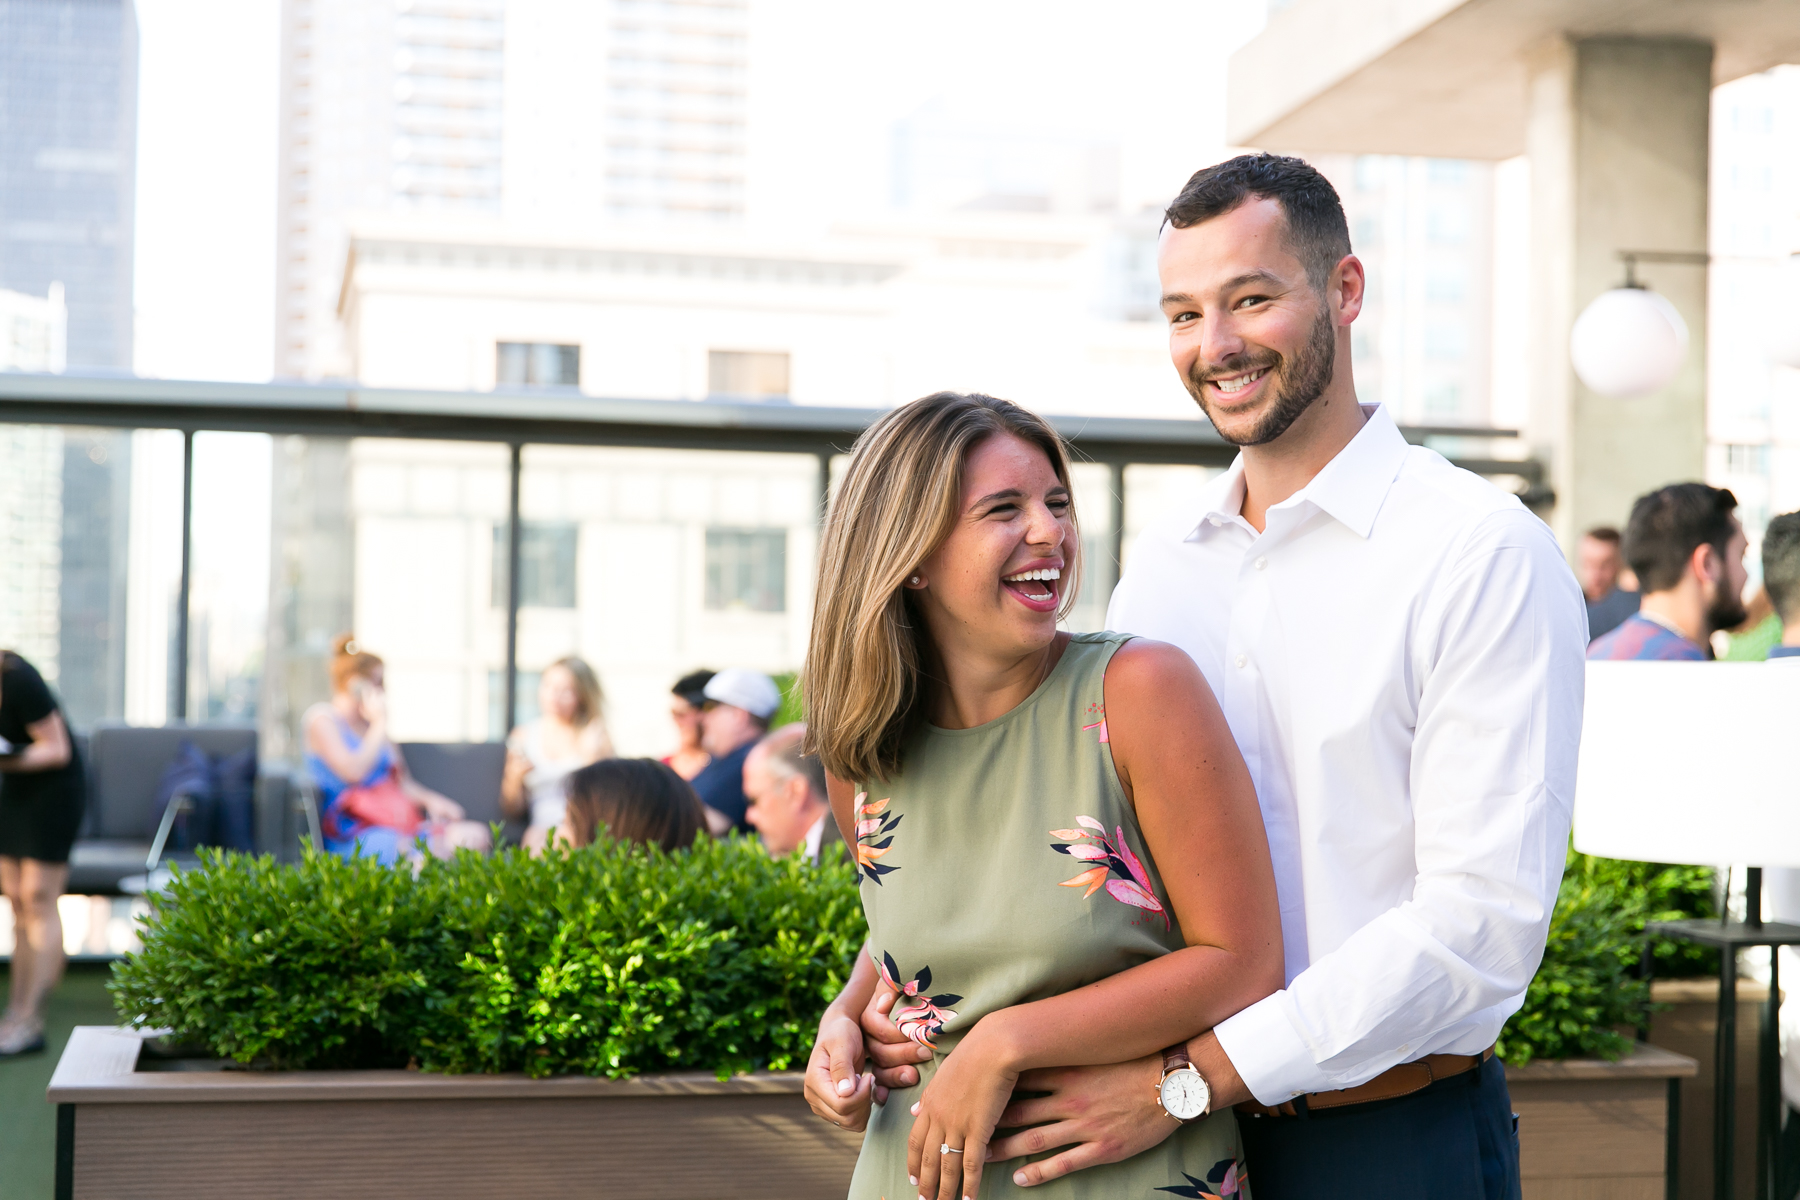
920	1017
1112	857
1097	711
872	822
1226	1176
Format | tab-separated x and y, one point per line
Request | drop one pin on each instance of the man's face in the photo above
777	806
1253	342
1725	598
1597	563
725	727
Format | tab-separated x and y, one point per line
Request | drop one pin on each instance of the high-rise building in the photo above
68	147
1423	228
532	110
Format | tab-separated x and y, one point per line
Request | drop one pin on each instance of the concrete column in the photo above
1618	147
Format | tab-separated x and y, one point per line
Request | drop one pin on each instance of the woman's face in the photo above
996	582
558	696
687	721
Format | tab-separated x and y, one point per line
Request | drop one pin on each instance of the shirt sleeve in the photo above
25	694
1499	655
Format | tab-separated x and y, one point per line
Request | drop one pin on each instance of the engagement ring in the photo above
947	1148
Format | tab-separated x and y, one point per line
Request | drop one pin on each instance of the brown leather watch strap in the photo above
1391	1084
1176	1057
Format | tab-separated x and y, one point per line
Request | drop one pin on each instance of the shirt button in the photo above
1261	563
1241	660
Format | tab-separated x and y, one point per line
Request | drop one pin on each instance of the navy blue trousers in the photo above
1452	1141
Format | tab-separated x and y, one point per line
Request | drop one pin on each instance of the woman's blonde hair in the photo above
899	500
587	686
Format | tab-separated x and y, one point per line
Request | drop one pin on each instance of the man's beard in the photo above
1301	381
1726	611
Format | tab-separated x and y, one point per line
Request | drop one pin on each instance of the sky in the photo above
828	81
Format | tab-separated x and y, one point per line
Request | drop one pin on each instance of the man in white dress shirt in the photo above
1397	645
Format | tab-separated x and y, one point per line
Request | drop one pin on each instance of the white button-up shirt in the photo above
1400	657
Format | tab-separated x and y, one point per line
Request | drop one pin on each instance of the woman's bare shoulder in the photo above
1141	668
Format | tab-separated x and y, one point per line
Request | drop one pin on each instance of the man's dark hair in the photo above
692	686
1316	231
1604	533
1669	524
1781	565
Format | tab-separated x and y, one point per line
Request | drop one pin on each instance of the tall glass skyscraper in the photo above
68	147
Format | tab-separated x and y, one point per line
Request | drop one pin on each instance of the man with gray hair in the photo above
786	791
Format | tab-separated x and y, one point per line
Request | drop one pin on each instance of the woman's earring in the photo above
914	581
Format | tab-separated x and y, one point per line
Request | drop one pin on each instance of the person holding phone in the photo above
43	793
370	803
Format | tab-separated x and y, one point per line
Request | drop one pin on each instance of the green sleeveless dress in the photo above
1002	865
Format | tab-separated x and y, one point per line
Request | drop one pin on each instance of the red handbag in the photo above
383	804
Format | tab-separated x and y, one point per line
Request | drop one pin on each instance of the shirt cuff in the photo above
1264	1044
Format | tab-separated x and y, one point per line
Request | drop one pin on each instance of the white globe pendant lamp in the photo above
1782	338
1629	342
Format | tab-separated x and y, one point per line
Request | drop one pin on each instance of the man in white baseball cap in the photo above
736	713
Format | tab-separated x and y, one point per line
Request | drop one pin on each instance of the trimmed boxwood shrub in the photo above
1590	991
610	960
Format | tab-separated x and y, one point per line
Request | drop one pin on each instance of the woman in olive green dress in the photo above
1062	861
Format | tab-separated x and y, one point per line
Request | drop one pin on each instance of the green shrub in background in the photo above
611	960
1590	992
791	709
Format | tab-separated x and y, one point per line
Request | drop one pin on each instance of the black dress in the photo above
39	810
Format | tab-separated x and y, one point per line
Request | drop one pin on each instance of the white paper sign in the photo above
1691	763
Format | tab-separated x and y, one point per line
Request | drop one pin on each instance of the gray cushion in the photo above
467	772
125	763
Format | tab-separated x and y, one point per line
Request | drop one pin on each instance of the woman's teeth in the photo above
1228	386
1041	573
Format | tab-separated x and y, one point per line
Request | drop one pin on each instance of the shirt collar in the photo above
1350	488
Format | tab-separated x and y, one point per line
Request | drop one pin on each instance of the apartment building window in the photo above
546	564
1746	459
746	570
747	374
537	364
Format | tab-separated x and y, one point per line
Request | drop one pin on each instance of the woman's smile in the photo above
1035	587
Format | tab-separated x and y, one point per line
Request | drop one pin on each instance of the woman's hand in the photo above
441	808
834	1089
960	1108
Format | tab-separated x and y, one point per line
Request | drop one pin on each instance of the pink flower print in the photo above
871	823
1112	857
1226	1176
920	1017
1098	710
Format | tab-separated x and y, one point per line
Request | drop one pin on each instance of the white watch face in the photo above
1185	1094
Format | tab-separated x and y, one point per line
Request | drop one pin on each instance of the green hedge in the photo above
610	960
613	960
1590	993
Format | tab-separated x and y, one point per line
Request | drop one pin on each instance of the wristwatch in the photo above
1182	1092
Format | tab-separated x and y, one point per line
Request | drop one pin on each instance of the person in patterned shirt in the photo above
1687	547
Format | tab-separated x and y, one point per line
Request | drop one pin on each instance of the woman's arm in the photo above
47	750
325	738
512	780
1197	810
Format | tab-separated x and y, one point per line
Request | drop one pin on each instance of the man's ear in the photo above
1349	284
1707	564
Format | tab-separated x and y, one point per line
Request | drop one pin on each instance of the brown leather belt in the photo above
1391	1084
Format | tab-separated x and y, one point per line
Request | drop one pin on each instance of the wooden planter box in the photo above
194	1134
1593	1130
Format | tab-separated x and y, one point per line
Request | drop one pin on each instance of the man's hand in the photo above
893	1055
1100	1114
1103	1114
